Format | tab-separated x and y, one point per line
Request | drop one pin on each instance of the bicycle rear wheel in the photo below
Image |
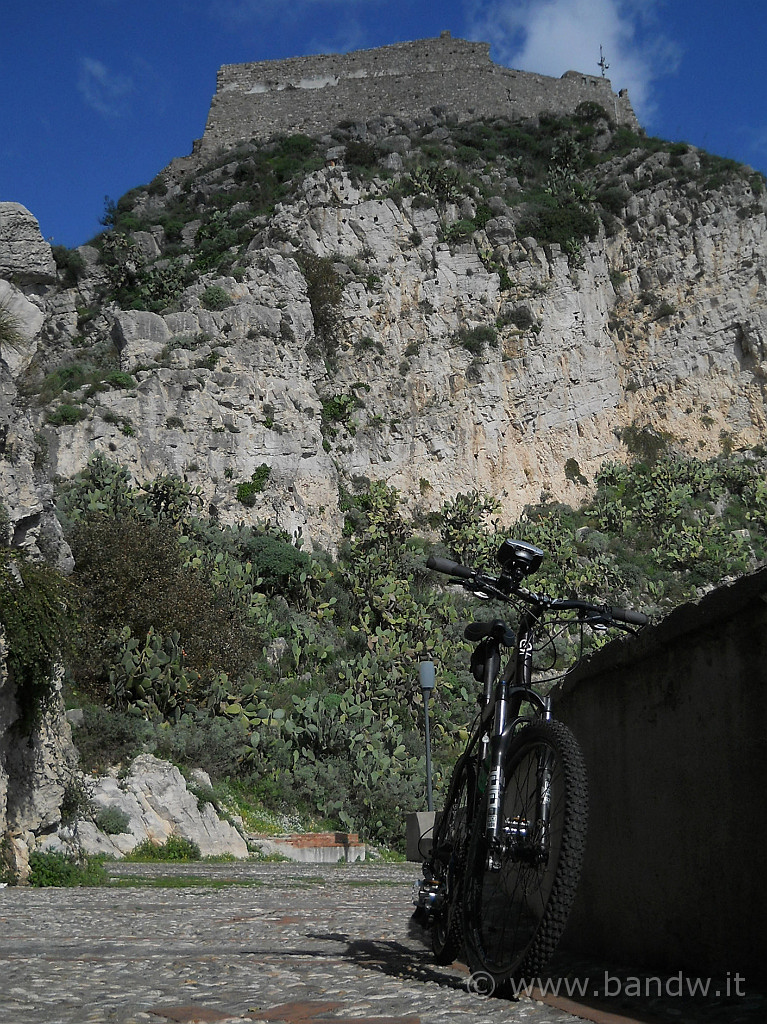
517	894
448	857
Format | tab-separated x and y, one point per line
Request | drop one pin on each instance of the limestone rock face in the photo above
34	772
158	804
661	324
24	253
26	494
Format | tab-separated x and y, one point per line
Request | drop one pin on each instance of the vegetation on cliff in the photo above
231	649
562	178
35	621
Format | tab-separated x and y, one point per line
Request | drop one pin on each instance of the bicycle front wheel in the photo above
518	892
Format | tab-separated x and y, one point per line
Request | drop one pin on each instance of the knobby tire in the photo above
514	913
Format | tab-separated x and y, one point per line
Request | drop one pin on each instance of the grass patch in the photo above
181	882
173	849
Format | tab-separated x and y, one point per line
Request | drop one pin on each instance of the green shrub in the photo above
216	744
5	522
215	298
360	154
58	869
112	821
521	317
65	378
109	736
278	563
325	290
560	223
132	573
69	263
664	309
75	801
36	620
613	198
175	848
590	111
644	443
66	415
119	379
474	339
246	492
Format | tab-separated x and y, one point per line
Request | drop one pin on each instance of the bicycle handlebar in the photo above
450	568
628	615
605	612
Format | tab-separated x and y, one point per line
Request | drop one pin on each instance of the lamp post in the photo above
426	674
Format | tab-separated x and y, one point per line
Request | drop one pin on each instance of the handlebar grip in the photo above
627	615
449	568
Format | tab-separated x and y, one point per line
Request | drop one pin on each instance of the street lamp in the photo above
426	674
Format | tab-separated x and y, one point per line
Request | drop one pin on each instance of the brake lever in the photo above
485	588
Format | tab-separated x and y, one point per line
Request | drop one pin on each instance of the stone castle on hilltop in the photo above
312	94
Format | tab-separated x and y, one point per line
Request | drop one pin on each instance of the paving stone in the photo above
301	944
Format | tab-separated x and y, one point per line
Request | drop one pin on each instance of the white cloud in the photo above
554	36
103	90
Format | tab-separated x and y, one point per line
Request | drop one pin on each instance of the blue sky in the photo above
100	95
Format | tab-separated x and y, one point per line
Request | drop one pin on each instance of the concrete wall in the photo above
673	725
312	94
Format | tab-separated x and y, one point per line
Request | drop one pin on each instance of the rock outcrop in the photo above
34	769
24	254
155	803
34	772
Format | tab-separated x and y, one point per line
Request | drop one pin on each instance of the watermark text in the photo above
609	986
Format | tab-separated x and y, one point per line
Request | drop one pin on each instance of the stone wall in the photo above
672	725
312	94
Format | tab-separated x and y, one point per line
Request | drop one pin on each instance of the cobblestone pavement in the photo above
233	942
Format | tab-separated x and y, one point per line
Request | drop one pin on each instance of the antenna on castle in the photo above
602	63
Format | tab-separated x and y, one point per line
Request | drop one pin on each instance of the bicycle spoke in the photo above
517	893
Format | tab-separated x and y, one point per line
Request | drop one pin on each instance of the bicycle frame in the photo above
509	696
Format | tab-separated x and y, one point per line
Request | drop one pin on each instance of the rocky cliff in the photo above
457	351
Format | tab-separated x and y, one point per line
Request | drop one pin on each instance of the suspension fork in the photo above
543	780
521	670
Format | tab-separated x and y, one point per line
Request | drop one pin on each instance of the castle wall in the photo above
312	94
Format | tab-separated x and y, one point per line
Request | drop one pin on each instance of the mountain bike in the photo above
507	848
